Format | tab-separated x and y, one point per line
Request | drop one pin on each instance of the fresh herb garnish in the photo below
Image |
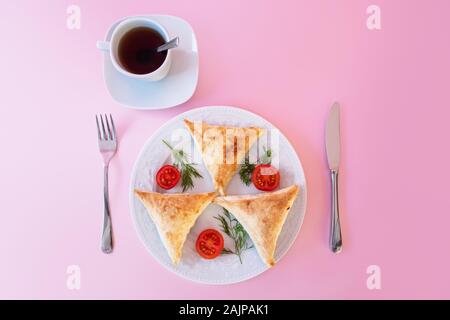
182	162
232	228
245	172
247	168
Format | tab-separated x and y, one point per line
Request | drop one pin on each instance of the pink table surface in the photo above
285	60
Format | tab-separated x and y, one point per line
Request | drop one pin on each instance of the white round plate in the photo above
225	269
176	88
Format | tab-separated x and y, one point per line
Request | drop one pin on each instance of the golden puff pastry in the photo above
174	215
223	149
262	216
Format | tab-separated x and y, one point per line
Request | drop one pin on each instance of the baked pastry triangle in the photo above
174	215
223	149
262	215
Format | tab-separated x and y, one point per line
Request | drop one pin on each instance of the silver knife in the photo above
333	146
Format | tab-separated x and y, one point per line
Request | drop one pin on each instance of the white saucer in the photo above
176	88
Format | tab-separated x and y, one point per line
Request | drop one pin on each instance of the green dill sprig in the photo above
232	228
187	170
246	171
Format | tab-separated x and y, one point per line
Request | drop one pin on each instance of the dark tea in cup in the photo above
137	50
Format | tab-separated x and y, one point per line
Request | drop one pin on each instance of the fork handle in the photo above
106	234
335	233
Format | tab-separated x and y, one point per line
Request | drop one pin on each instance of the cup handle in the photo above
103	45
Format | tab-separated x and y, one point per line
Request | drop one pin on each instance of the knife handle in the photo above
335	232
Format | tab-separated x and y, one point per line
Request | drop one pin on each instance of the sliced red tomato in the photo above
209	244
168	177
266	177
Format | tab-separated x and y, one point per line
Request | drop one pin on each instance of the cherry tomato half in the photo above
266	177
168	177
209	244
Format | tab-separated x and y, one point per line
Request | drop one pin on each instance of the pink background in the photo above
285	60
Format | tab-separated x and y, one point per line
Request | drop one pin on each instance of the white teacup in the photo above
113	45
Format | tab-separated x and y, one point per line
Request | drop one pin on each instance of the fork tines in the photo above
107	132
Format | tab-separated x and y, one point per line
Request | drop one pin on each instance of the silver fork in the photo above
107	143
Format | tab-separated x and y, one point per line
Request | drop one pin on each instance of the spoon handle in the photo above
169	45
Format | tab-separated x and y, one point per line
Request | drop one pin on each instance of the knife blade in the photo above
333	143
333	146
